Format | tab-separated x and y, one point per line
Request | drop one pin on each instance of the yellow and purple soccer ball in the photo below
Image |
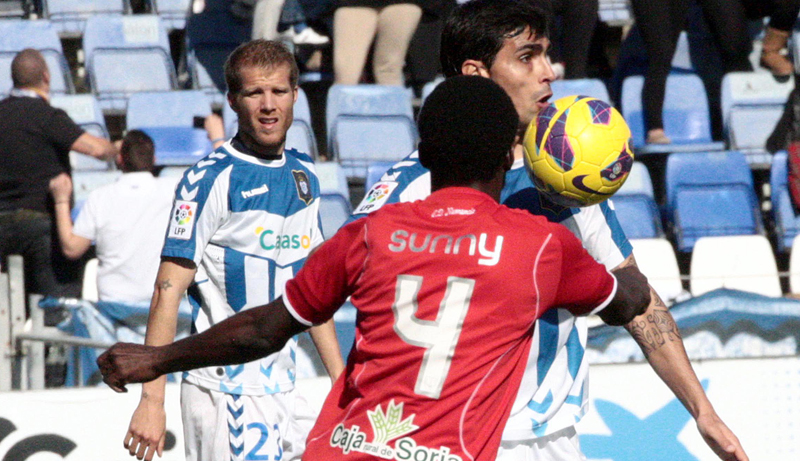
578	151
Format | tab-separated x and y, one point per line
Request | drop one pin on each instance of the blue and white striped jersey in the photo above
248	225
553	393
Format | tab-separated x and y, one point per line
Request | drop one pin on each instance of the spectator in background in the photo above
660	23
35	141
728	23
126	219
389	23
574	21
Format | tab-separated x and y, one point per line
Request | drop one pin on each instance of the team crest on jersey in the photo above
386	427
303	186
182	220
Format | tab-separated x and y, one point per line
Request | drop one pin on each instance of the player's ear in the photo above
474	67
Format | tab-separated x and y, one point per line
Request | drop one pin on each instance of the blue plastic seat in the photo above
375	171
592	87
638	215
787	224
69	16
173	12
710	194
16	35
168	118
202	81
638	182
126	55
368	123
334	209
84	110
300	135
686	118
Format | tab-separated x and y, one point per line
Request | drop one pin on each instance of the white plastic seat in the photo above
638	182
332	179
740	262
656	259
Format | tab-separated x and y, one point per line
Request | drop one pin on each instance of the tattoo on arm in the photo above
164	285
655	328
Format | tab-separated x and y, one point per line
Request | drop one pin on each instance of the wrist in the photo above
61	202
216	140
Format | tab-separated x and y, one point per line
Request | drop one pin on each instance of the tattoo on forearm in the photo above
164	285
655	328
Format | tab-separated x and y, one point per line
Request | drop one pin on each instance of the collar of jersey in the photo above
228	147
137	177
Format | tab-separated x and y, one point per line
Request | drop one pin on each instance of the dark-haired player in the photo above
439	351
507	42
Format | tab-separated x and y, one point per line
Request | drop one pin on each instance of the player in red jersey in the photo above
447	291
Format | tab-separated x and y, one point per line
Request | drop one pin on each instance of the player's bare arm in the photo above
147	429
244	337
660	340
324	337
631	299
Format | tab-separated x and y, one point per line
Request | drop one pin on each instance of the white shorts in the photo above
220	426
558	446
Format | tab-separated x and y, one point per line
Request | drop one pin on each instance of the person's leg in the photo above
353	31
728	24
266	15
660	23
578	23
396	25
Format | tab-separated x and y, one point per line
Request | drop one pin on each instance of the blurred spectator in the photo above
390	23
728	23
284	18
127	220
35	141
573	26
660	23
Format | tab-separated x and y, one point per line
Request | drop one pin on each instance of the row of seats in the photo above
707	194
70	16
123	55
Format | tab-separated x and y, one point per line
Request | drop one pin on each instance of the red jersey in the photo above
447	291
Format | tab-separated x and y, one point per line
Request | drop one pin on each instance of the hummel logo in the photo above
253	192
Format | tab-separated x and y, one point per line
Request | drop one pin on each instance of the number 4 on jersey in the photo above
438	337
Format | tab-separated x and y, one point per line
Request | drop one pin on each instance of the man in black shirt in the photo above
35	141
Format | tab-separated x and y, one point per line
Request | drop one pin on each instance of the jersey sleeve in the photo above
602	234
328	277
200	208
586	287
61	130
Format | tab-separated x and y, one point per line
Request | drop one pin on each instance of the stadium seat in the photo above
84	110
300	135
710	194
126	55
18	34
656	259
375	171
638	215
592	87
427	89
686	118
638	182
787	224
681	60
752	104
332	179
173	12
168	117
70	16
334	209
742	262
615	12
367	123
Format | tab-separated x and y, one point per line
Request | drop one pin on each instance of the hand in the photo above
147	431
720	439
127	363
61	188
215	128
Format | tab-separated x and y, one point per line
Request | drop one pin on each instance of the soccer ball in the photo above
578	151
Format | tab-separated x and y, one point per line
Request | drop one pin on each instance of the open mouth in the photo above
268	121
544	101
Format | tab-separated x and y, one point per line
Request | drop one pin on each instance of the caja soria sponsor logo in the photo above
271	240
385	427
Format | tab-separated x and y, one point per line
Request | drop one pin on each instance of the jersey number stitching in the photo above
439	337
